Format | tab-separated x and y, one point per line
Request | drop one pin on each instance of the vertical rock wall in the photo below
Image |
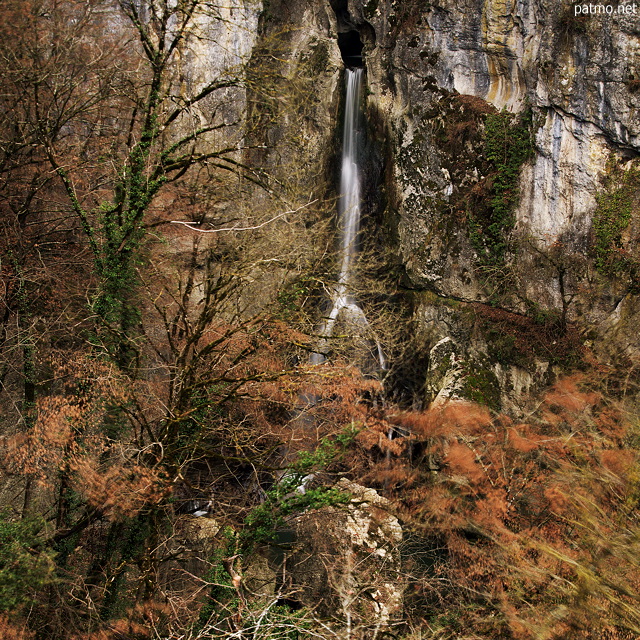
435	70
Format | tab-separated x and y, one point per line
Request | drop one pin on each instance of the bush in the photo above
508	144
23	568
611	217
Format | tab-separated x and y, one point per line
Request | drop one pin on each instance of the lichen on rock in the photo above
346	561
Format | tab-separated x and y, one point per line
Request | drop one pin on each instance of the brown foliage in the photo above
10	631
518	338
142	622
566	396
461	460
535	516
619	461
118	490
449	419
68	440
520	443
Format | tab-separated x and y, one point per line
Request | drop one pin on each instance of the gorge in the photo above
319	320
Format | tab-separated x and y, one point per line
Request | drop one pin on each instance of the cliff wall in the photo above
559	244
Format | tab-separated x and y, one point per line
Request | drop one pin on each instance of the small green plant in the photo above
289	495
291	297
508	144
222	597
325	453
264	522
612	216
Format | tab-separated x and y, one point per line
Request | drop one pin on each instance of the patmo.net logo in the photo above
583	9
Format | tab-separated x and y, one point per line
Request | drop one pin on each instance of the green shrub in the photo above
24	568
508	144
222	598
611	217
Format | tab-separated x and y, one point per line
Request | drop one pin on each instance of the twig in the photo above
280	215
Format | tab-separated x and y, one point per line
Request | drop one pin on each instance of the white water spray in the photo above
344	304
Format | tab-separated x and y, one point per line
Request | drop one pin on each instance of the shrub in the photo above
611	217
24	569
508	144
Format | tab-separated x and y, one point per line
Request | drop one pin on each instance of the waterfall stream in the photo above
343	303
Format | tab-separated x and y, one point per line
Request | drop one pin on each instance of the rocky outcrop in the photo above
295	119
485	355
227	37
346	561
576	75
576	72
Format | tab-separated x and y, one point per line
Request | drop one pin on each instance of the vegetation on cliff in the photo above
508	144
615	257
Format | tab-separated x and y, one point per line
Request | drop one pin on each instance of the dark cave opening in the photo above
349	36
351	48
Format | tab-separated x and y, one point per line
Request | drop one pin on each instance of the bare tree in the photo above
104	93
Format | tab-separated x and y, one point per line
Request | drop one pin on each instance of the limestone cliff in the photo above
435	72
575	73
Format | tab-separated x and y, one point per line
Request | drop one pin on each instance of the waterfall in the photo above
349	202
349	211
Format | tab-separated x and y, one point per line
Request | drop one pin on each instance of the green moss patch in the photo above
481	385
616	207
508	145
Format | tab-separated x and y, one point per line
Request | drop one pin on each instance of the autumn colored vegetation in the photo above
140	383
522	529
149	371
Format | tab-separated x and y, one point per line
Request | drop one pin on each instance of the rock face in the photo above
227	39
435	72
298	127
575	74
346	562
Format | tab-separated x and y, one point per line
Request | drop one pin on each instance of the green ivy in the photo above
222	597
612	216
121	233
508	144
126	545
223	602
24	569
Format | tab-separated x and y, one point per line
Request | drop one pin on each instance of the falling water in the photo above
344	304
349	203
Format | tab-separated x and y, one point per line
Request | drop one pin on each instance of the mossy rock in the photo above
481	385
